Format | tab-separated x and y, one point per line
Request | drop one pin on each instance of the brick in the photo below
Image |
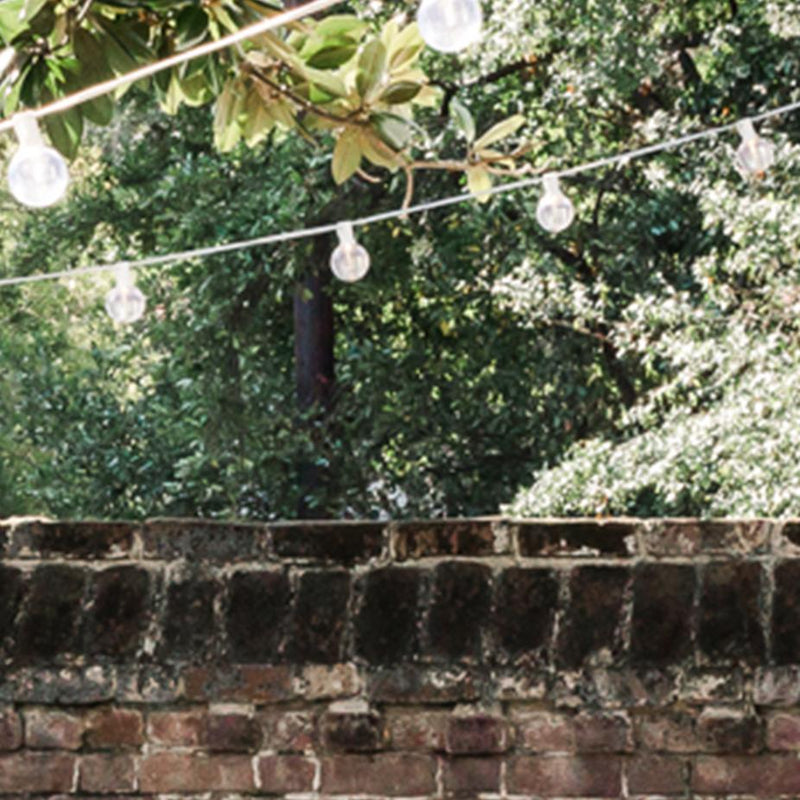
10	729
545	732
12	592
525	606
416	684
107	774
696	537
729	624
114	728
84	540
701	687
232	733
672	732
762	775
459	610
204	540
418	730
577	539
428	538
356	729
193	772
785	613
63	685
148	682
176	728
255	683
783	731
629	687
385	774
603	732
329	681
119	613
284	774
477	734
47	729
189	629
36	772
386	624
591	629
288	731
777	686
662	775
663	597
561	776
466	776
730	731
49	624
340	542
319	617
257	610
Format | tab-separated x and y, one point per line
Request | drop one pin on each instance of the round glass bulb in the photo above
555	211
450	25
755	155
37	176
350	262
125	303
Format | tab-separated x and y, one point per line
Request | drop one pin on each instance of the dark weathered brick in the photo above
725	730
73	539
663	598
786	613
231	733
342	542
525	605
385	774
466	777
577	538
476	734
319	617
189	629
10	729
409	684
119	613
204	540
426	538
690	537
286	774
763	776
12	589
661	775
459	609
192	772
730	626
49	623
360	730
247	683
562	776
25	772
593	618
107	774
386	625
257	611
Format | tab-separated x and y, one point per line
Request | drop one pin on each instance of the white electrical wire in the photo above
100	89
305	233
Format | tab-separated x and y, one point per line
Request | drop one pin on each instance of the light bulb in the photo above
349	261
555	211
37	174
755	155
450	25
125	303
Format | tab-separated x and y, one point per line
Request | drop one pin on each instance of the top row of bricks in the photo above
354	542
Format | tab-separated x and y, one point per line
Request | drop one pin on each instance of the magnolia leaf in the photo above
401	92
371	67
31	8
226	117
346	156
91	57
333	56
191	27
479	180
258	122
392	129
500	131
327	81
65	131
463	119
376	151
405	47
341	25
173	97
100	110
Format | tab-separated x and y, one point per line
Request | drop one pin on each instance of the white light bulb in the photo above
450	25
125	303
754	155
37	175
555	211
349	261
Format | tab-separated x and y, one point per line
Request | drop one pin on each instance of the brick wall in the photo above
471	658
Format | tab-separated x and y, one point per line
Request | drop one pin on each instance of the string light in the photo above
37	175
125	303
555	211
754	155
349	261
450	25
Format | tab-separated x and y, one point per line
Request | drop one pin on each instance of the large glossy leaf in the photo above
346	156
65	131
500	131
371	67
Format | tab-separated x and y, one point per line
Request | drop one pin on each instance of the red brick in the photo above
36	772
777	686
657	775
479	734
329	681
112	728
352	726
670	733
188	772
176	728
729	731
762	775
107	774
232	733
560	776
283	774
260	683
469	775
603	733
288	731
783	732
53	730
10	730
387	774
543	732
418	730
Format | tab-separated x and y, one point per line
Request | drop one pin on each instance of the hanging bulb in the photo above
450	25
755	155
37	174
125	303
349	261
555	211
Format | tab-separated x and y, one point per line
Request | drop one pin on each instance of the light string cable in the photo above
320	230
100	89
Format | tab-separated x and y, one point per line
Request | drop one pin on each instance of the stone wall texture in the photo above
485	658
